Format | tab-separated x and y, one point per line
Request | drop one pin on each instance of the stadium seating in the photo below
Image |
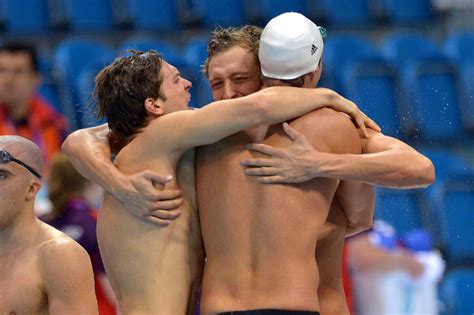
373	85
152	15
89	15
431	83
70	58
457	290
195	53
171	53
400	208
408	11
220	13
343	13
25	16
451	200
268	9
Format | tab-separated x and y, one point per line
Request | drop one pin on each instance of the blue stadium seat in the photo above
459	46
89	15
268	9
404	48
451	201
347	12
400	208
171	53
195	53
408	11
457	290
431	84
220	13
70	58
153	15
25	16
372	84
341	50
87	105
448	163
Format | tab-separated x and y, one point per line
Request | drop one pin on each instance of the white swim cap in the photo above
291	45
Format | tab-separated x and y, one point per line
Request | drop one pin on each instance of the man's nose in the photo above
229	91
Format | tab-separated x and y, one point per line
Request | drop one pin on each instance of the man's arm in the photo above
187	129
386	162
89	152
68	278
357	200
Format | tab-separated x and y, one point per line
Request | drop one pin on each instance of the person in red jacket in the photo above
23	111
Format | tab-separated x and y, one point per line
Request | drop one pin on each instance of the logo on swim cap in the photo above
313	49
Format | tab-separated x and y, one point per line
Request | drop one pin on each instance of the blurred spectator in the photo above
73	201
388	278
22	111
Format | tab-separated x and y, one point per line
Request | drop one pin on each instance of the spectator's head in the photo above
19	76
232	66
290	51
21	166
64	182
136	89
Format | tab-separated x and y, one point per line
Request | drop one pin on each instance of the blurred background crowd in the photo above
408	64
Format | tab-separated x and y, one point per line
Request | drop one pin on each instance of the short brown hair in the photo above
121	89
64	182
222	39
296	82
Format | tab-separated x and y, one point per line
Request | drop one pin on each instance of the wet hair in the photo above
296	82
64	182
223	39
22	48
120	91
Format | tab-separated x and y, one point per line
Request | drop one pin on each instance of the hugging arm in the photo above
386	162
89	152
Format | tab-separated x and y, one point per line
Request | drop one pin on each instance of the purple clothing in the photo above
78	221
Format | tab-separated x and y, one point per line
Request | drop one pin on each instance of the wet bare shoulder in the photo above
329	131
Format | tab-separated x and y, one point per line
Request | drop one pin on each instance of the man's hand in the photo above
139	194
294	164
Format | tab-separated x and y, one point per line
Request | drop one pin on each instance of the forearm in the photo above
394	168
287	103
89	152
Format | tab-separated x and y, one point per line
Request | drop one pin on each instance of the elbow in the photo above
426	171
69	145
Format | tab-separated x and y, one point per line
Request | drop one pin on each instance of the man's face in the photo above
175	88
18	81
14	183
233	73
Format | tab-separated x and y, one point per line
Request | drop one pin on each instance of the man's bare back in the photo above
260	240
47	263
152	269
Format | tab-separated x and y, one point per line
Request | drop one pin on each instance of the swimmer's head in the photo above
21	166
232	66
130	93
222	39
291	46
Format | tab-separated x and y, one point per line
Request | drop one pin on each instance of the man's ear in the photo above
154	107
33	189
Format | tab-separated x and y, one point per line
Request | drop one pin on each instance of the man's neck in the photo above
18	111
20	232
257	133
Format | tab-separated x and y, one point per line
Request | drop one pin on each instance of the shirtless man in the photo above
42	270
388	162
145	99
